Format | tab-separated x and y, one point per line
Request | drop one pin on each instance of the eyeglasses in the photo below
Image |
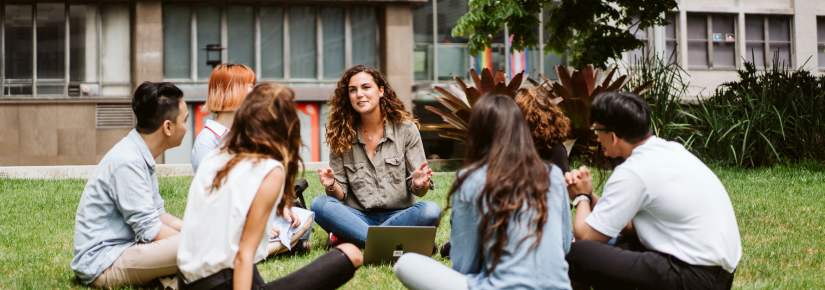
596	130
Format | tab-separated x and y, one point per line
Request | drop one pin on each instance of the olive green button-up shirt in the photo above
383	183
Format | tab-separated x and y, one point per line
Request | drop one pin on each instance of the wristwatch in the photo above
582	196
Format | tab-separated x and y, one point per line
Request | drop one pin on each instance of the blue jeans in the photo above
351	225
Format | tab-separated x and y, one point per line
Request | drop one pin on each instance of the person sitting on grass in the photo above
228	86
510	214
235	196
377	162
677	224
123	234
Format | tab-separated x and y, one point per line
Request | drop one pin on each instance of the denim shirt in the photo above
520	267
120	206
383	182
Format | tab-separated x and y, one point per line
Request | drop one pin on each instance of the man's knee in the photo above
431	211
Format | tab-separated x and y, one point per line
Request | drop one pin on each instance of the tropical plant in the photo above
665	99
461	99
574	92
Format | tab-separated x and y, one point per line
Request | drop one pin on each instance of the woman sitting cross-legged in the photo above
511	225
235	195
377	162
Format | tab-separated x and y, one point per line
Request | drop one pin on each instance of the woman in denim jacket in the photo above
511	222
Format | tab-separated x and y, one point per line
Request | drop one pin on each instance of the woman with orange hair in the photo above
228	86
548	126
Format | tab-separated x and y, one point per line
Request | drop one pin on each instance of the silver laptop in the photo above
386	244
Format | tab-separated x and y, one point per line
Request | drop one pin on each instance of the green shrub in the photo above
763	119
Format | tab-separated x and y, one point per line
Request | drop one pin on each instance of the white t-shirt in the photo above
677	204
207	140
213	222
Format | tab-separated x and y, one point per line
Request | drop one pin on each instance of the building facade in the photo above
69	67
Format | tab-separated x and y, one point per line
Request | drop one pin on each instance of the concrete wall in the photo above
53	134
396	41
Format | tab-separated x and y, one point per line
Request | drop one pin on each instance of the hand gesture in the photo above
578	181
291	217
327	177
274	232
422	175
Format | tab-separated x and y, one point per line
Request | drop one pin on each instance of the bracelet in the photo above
582	196
416	188
331	187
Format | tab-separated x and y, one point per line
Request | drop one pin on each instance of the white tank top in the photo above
213	222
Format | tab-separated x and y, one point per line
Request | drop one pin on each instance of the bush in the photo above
763	119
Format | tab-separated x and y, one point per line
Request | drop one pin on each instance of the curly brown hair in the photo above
343	119
266	126
547	122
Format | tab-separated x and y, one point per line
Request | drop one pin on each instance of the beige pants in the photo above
141	263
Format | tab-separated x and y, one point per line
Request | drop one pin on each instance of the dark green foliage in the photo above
664	98
585	25
763	119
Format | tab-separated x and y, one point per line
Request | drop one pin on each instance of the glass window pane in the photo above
637	55
51	41
116	54
671	53
820	29
697	26
209	32
423	22
724	55
240	26
449	11
756	54
333	32
754	28
670	29
639	33
303	57
83	43
177	26
779	28
698	54
782	53
821	55
18	39
423	61
551	60
272	42
364	36
454	61
723	24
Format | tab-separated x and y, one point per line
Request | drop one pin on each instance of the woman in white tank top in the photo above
235	196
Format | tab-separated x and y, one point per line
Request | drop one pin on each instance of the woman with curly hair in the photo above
548	125
377	162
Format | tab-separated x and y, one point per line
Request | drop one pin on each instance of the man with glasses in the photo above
678	229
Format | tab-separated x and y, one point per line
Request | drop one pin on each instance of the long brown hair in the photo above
499	137
548	124
343	119
266	126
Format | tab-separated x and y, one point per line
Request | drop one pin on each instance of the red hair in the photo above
228	87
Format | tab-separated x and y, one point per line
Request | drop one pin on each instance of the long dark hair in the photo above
343	119
265	126
500	138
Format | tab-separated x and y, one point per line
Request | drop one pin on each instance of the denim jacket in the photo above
520	267
120	206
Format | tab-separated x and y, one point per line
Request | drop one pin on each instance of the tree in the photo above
589	29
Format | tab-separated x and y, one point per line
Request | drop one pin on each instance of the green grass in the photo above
780	212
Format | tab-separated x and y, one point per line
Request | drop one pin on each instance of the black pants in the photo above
629	265
329	271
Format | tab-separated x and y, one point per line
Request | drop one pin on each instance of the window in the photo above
711	41
671	53
645	35
767	33
305	42
438	56
71	46
820	39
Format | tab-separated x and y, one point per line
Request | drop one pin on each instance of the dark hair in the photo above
266	126
155	103
343	120
499	137
625	113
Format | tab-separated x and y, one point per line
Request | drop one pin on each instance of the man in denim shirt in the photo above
123	235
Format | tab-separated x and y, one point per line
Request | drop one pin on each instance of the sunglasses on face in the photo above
597	130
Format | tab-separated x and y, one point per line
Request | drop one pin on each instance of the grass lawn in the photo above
780	212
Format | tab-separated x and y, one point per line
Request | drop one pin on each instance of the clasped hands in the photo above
578	181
